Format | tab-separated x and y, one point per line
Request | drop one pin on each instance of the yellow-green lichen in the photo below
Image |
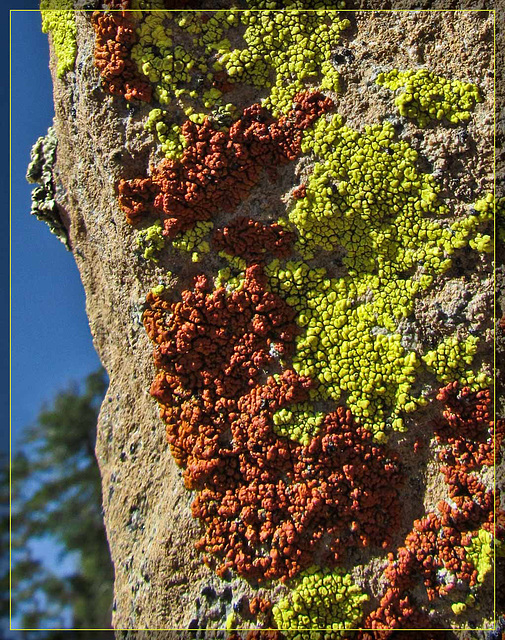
151	241
351	345
293	48
450	359
367	198
231	279
426	96
180	70
58	17
285	50
485	207
192	241
321	599
480	553
169	136
298	422
460	607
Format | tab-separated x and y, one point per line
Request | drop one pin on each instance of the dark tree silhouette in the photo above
56	495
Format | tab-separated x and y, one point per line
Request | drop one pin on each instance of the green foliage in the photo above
56	495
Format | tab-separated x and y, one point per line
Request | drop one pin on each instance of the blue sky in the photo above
51	344
51	341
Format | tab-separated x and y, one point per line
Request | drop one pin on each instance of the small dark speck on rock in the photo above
209	593
342	56
227	594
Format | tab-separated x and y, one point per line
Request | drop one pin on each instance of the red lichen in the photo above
258	605
269	504
253	240
300	192
289	502
466	427
436	545
115	37
218	169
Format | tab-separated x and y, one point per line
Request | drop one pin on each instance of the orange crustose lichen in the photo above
253	240
269	504
218	169
115	36
436	545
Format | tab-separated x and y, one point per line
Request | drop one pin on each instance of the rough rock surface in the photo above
160	579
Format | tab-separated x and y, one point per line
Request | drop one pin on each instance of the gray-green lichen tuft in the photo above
40	171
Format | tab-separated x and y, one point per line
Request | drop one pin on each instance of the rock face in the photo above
313	269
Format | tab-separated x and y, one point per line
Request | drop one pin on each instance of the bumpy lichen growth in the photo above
426	96
151	241
231	279
485	208
322	599
452	358
284	51
40	171
480	552
252	360
368	197
177	71
298	422
192	241
169	135
58	17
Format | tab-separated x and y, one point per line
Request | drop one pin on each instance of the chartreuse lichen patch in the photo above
169	136
58	17
175	51
367	197
298	422
425	96
192	241
187	55
151	241
480	553
452	360
322	600
230	278
285	51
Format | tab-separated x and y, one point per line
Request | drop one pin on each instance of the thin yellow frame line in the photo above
490	11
